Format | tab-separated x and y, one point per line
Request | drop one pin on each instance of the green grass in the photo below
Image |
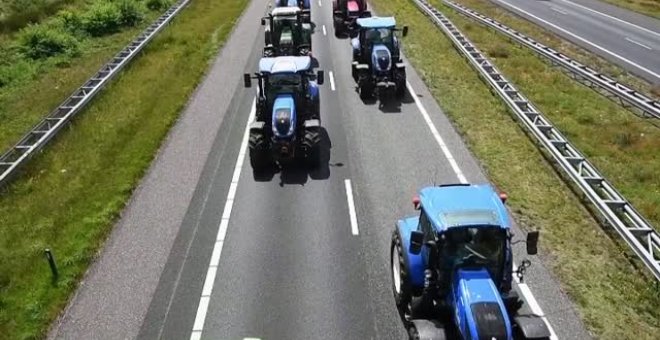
612	296
68	198
623	147
648	7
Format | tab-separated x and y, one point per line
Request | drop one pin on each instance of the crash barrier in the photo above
625	96
612	206
47	128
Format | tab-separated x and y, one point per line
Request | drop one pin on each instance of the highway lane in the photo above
625	38
290	265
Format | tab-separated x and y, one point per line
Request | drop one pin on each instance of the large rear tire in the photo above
312	143
366	90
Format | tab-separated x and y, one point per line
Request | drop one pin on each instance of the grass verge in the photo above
68	198
647	7
622	146
613	299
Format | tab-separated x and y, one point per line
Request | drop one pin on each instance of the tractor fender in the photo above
414	262
257	126
531	327
400	65
355	43
429	329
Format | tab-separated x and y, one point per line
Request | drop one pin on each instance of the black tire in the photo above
403	296
312	143
413	334
366	90
401	84
259	153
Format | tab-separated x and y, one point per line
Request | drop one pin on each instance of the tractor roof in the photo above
285	11
286	64
463	205
376	22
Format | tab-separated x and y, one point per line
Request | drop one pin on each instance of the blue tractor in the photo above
377	66
287	120
452	267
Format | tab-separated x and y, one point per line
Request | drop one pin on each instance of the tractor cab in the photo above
289	32
376	33
466	230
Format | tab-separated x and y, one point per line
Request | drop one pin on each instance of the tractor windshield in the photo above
478	246
376	36
286	31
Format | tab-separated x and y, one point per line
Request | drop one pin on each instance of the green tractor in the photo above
289	32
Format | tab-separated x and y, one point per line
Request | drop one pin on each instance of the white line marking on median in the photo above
558	10
351	207
582	39
638	43
533	304
203	307
324	32
332	80
613	18
436	135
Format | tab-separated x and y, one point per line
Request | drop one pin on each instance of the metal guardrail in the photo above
627	97
47	128
633	228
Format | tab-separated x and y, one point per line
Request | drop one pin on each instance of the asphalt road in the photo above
280	257
625	38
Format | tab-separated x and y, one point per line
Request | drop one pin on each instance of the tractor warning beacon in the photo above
452	268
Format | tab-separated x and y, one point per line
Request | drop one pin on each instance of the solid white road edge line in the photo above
533	304
638	43
436	135
351	207
524	289
203	307
332	80
613	18
582	39
324	31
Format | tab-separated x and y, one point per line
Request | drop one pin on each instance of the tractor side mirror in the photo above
532	242
405	31
263	22
247	80
320	77
416	241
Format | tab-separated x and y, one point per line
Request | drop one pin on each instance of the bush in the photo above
41	41
132	12
102	18
157	5
71	21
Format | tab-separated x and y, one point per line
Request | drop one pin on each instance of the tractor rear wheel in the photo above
400	284
366	90
312	143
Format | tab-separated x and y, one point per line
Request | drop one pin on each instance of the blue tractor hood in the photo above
381	58
479	310
284	116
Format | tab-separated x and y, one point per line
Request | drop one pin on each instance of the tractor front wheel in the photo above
400	285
